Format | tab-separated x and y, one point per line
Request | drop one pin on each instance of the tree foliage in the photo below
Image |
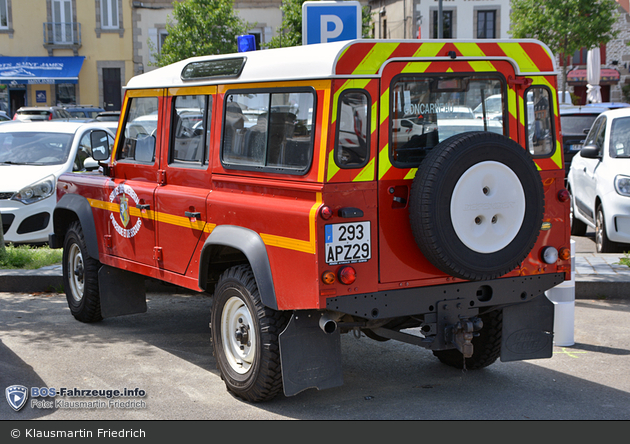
201	27
290	32
565	25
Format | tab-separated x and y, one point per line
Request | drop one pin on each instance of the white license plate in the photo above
575	147
348	243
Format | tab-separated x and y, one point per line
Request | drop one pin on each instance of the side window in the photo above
140	128
425	110
597	133
188	130
352	143
540	134
269	130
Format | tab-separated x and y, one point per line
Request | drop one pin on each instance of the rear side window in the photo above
539	122
270	131
353	116
425	110
140	128
190	121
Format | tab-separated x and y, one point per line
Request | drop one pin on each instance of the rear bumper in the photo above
470	296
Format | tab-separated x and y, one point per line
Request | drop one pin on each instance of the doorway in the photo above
112	88
17	99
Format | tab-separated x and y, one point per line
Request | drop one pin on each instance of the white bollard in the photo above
563	298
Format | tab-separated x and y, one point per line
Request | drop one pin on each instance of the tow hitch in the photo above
462	333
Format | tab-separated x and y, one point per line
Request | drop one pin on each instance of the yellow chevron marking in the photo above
372	62
383	161
415	67
429	49
384	106
367	173
332	166
470	49
411	173
516	52
478	66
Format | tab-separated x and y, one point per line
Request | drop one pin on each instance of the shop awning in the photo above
40	70
608	76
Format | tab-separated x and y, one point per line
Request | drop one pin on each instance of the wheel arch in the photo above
245	246
69	208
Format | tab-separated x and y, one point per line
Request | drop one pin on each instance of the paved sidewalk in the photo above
596	276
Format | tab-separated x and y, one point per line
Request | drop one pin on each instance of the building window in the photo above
486	24
4	14
66	93
447	24
109	17
109	14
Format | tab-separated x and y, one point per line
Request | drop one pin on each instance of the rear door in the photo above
422	104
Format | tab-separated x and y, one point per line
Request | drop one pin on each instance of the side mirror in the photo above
90	164
590	152
100	145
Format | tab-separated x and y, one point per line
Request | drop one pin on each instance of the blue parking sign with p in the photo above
330	21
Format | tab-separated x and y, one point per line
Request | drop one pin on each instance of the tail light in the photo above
347	275
328	277
565	254
563	195
50	116
325	212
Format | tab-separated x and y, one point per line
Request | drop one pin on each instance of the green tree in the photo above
290	32
201	27
565	25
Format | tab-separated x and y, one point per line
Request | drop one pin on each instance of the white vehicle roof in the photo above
319	61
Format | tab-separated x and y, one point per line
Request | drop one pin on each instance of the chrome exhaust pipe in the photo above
327	323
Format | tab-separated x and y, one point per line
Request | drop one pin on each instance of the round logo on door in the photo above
124	193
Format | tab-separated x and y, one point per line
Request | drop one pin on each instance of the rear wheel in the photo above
245	337
80	277
486	346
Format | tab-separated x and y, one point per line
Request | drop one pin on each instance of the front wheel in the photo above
602	243
80	277
578	228
245	337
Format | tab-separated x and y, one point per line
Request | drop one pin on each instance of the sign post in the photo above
330	21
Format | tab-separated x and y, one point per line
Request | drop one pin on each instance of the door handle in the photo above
142	207
191	214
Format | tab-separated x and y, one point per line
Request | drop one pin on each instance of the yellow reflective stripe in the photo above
470	49
383	161
411	173
478	65
321	168
367	173
512	103
520	56
429	50
384	106
332	166
349	84
557	156
182	221
372	62
192	90
415	67
145	92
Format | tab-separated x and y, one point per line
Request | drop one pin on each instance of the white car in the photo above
599	182
32	157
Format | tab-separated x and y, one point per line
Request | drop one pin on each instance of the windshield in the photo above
577	124
34	148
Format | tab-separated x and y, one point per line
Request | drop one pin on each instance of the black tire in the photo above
240	319
492	183
80	277
486	346
578	228
602	243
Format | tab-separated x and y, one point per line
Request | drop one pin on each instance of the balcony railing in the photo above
62	34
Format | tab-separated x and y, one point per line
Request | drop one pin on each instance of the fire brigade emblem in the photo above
16	396
124	194
124	210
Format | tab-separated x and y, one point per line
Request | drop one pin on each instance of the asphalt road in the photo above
166	353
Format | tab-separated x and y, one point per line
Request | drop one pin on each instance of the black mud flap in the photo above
528	330
310	358
122	292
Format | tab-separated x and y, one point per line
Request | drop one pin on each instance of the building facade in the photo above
64	52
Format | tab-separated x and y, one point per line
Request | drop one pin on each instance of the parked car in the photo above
32	157
4	116
83	110
106	116
599	182
576	121
32	113
609	105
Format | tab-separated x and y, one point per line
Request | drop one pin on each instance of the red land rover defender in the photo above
327	189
